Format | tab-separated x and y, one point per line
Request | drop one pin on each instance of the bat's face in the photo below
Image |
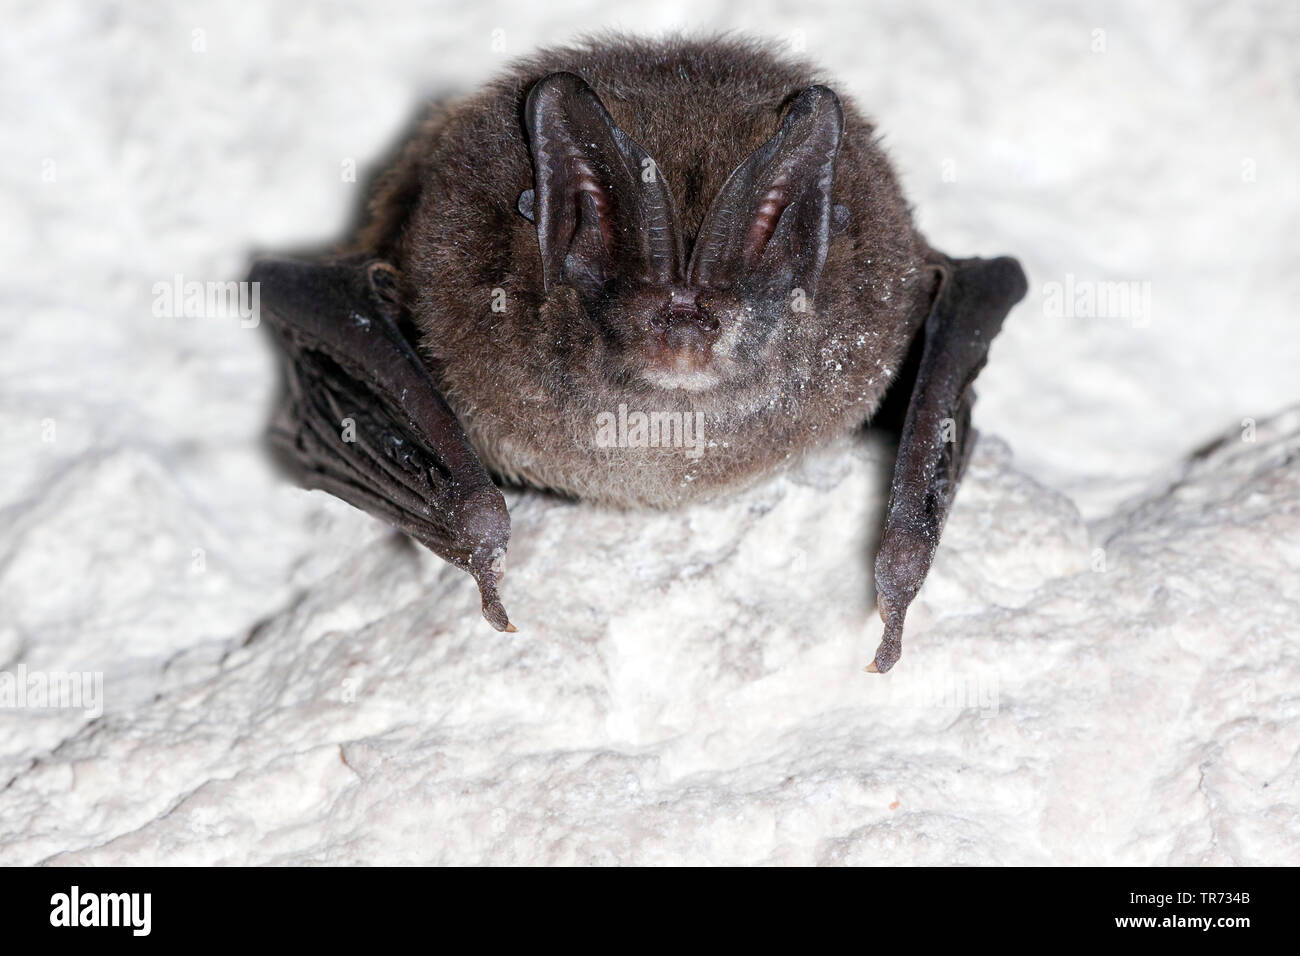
676	336
607	226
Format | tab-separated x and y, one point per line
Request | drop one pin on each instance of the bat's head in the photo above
608	232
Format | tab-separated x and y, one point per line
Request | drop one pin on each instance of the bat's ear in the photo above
600	203
769	226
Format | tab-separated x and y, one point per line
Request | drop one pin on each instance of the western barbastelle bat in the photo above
693	228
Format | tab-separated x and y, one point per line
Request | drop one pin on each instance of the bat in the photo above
639	273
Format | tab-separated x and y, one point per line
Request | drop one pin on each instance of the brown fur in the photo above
528	384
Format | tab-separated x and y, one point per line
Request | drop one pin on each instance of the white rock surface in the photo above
1101	668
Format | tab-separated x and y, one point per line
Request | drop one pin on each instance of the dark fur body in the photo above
529	383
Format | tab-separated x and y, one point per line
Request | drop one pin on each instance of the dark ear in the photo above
770	224
600	203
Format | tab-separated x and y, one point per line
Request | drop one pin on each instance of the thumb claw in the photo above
891	643
493	610
487	572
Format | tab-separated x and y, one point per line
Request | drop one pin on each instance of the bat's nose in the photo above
686	324
685	339
696	332
682	334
